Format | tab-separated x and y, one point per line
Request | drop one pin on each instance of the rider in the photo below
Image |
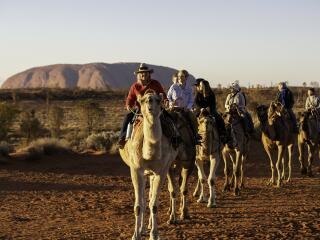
285	97
313	101
238	98
143	83
205	98
180	95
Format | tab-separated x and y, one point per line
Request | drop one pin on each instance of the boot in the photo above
122	142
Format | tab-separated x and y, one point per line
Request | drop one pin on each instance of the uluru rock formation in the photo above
93	76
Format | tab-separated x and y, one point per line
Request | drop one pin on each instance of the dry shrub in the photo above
46	146
104	141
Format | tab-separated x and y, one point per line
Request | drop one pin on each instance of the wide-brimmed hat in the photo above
198	81
143	68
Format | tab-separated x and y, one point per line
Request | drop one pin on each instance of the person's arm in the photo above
226	104
307	103
170	95
190	98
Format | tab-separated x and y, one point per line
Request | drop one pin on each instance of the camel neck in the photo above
152	134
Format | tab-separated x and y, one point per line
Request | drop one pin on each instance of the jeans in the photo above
127	119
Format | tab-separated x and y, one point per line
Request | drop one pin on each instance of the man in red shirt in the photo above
144	82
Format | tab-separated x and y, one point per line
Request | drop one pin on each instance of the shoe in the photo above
122	143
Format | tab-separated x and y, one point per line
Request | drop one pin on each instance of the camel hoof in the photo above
226	188
185	216
172	221
136	237
237	192
288	180
154	237
211	205
303	171
201	200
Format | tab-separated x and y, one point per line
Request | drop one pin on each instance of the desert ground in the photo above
90	196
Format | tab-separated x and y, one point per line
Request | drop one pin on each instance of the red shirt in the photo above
138	88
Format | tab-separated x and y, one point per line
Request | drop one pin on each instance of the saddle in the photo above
168	129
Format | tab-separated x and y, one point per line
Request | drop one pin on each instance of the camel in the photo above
237	152
183	164
277	134
209	150
148	151
308	135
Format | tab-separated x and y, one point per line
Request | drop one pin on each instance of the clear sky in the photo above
254	41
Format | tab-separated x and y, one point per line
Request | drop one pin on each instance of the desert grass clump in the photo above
103	141
46	146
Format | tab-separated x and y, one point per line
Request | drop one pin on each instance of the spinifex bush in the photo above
102	141
90	116
8	115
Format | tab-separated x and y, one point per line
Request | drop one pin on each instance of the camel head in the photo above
276	110
205	129
233	115
150	104
262	113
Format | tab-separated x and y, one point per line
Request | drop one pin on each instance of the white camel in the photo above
208	150
148	151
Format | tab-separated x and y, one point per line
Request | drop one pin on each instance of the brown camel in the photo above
277	134
182	165
308	135
237	152
148	151
209	150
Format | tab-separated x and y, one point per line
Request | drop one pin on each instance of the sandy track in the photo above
91	197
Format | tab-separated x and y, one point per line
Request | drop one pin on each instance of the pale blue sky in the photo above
249	40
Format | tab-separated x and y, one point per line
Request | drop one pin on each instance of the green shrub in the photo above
30	126
90	116
8	114
55	120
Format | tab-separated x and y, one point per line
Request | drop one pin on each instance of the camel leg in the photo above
214	162
241	171
139	185
226	180
269	153
157	183
302	167
202	178
197	188
183	192
172	187
280	156
283	176
290	154
151	178
311	153
236	173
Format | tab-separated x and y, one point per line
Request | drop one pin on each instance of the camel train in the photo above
167	138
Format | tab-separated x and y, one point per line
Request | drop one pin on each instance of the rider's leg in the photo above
122	138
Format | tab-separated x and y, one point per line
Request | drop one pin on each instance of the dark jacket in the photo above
204	102
285	97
